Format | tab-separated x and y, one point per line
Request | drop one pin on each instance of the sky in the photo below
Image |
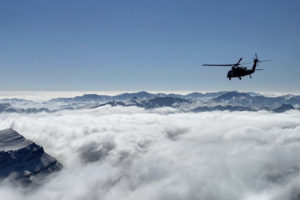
147	45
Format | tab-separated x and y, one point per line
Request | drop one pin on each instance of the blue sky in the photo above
147	45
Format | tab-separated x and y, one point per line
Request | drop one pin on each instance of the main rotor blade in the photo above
246	63
218	65
239	61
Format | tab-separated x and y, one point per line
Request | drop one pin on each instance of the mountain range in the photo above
193	102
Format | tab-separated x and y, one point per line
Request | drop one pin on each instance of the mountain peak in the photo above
22	160
10	140
283	108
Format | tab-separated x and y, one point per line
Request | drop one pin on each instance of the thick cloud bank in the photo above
129	153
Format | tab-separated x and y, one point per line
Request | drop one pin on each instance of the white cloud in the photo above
129	153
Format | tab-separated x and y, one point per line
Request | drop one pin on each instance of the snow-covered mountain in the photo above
7	107
22	160
194	102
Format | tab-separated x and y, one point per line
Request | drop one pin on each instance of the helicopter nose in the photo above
229	74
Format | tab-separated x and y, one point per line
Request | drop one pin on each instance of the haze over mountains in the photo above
193	102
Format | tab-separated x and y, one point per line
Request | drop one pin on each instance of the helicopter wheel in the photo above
240	78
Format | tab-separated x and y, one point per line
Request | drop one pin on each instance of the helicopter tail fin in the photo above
254	66
255	62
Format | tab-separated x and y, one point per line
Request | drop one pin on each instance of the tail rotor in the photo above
256	60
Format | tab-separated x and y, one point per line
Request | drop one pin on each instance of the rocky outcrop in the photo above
22	160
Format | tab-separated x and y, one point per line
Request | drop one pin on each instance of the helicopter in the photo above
238	71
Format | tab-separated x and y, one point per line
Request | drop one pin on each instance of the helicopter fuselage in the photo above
238	72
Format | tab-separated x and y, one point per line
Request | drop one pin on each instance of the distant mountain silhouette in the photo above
231	95
148	103
6	107
110	103
195	102
283	108
163	102
222	108
83	98
140	95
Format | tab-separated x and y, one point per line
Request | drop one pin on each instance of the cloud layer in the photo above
129	153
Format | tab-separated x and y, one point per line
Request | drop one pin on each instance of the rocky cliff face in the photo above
22	160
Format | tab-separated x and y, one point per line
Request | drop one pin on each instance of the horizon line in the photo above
45	95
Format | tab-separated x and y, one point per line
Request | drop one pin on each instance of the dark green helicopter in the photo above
238	71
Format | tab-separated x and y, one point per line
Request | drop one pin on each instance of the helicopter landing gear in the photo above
250	75
240	78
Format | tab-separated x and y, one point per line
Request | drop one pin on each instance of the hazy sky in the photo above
147	45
